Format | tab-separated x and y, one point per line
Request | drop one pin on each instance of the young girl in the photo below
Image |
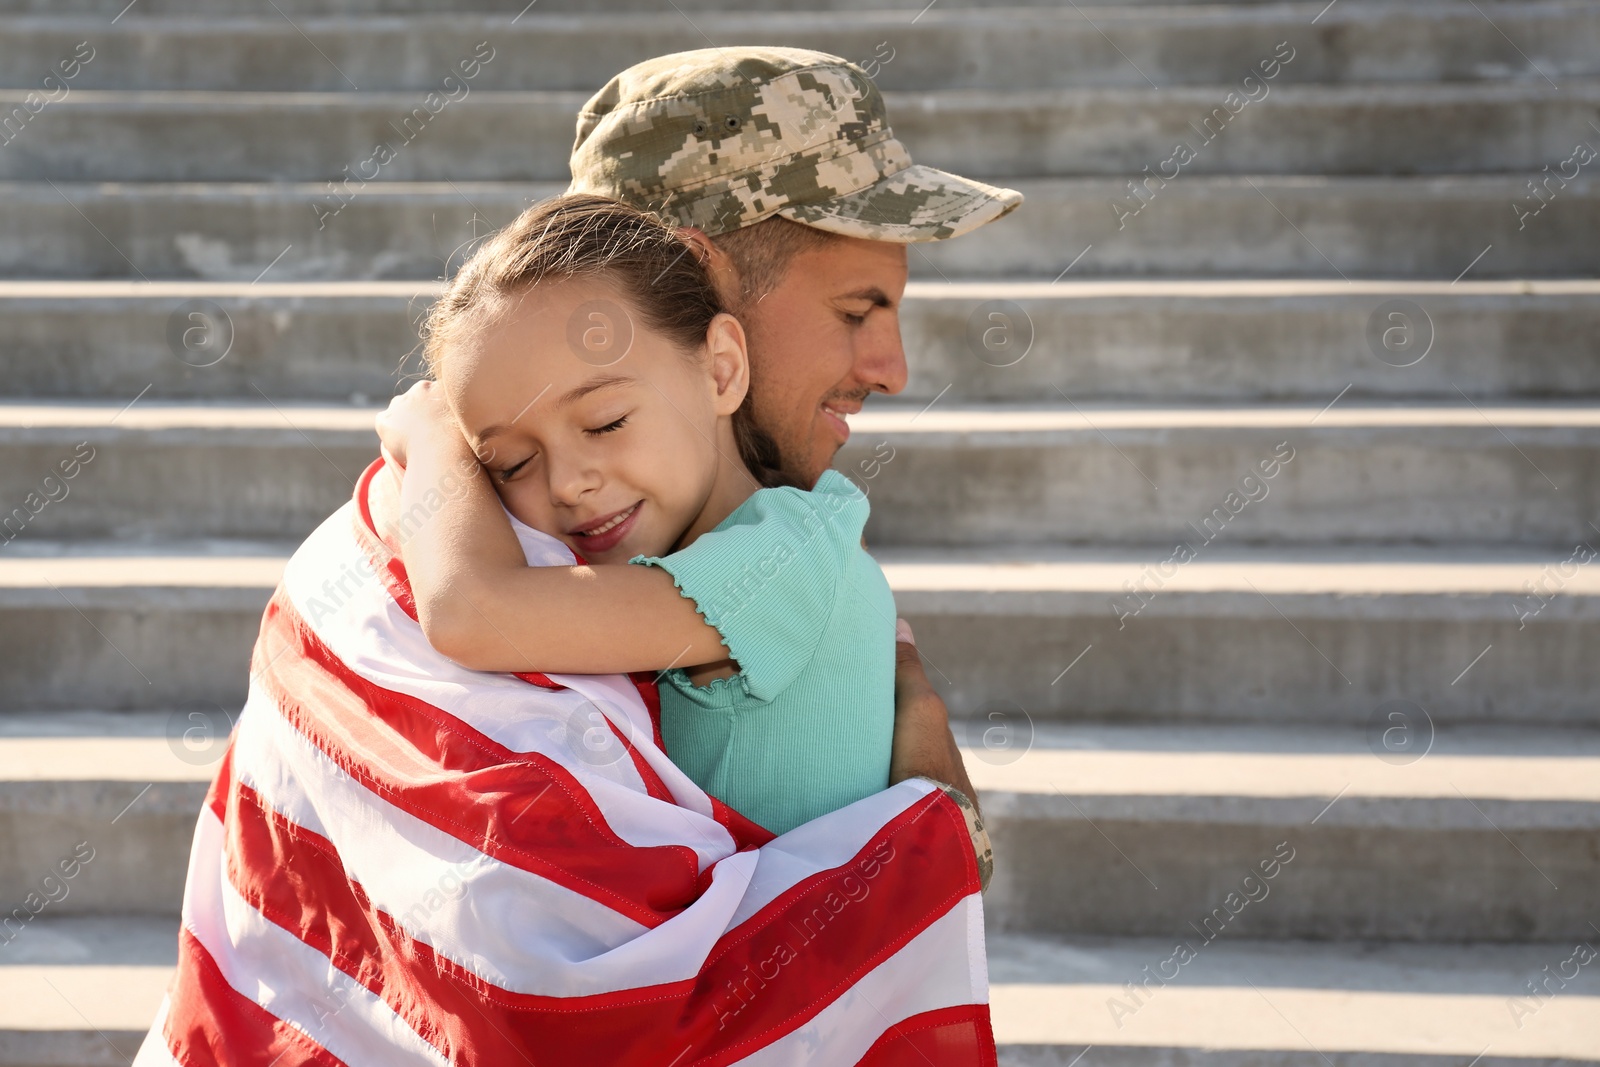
583	359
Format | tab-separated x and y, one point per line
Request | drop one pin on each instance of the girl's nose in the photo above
569	481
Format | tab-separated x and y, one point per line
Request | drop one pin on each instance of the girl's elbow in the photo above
451	633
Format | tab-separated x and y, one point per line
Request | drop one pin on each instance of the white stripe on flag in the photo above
154	1051
924	975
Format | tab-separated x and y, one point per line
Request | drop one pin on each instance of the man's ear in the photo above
724	275
730	363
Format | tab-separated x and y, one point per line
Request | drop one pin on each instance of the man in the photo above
402	861
780	163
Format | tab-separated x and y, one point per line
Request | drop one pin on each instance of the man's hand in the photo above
415	413
923	744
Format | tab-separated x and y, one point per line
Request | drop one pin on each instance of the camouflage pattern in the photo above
982	850
721	138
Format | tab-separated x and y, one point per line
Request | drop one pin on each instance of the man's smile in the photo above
836	411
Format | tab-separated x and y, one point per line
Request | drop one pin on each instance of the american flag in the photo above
405	862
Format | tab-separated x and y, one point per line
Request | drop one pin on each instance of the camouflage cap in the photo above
720	138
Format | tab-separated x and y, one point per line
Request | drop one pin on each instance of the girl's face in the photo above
593	429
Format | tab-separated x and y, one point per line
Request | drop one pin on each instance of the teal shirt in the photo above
805	726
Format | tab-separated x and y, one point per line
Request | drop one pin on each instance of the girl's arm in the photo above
482	605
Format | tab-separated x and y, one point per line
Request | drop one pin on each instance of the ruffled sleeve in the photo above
768	577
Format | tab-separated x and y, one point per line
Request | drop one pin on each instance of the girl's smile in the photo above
606	533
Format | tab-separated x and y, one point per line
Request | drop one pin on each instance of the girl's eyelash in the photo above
509	472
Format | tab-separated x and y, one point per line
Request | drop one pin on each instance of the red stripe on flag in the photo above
645	683
384	556
222	784
761	981
211	1024
958	1036
746	833
653	785
437	768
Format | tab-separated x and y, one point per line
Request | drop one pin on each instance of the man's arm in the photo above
924	747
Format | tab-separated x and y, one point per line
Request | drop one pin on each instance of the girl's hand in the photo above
414	417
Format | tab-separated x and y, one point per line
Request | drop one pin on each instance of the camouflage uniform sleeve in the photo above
981	848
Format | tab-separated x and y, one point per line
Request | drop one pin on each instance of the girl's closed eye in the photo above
608	427
506	474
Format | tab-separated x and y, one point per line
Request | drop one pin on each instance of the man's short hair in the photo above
762	252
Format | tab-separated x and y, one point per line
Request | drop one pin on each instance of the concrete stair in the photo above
1354	667
516	10
82	990
1107	830
1094	340
946	48
201	135
109	625
1326	635
76	988
1110	830
1355	230
1286	1004
1057	471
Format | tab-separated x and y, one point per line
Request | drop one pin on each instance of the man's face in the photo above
827	336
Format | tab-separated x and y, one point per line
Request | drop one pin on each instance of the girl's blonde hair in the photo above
657	272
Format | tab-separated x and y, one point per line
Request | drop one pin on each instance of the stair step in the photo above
942	49
1200	225
968	475
973	474
324	340
1310	635
944	474
1324	636
118	625
1481	833
333	8
1287	1004
117	792
1488	833
1235	1002
261	470
1268	635
223	231
1151	340
82	991
161	135
1270	226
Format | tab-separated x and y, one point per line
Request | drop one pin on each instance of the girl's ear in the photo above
730	363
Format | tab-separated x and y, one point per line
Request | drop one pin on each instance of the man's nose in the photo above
881	361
